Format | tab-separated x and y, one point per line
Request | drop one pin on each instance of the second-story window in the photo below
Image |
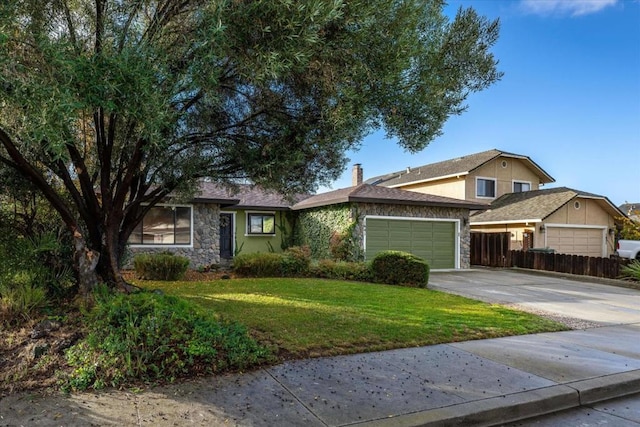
485	187
519	187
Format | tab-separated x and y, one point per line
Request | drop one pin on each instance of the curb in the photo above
519	406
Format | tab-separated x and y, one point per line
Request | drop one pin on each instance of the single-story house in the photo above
219	223
566	220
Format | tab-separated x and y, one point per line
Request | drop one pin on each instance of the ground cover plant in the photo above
632	271
301	317
150	338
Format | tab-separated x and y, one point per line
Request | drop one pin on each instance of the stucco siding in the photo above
246	243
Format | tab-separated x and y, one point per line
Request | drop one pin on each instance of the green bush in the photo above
632	270
294	262
342	270
21	300
34	271
153	338
258	264
164	266
400	268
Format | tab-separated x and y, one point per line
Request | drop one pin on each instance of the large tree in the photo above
107	106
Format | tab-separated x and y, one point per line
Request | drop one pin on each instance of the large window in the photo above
164	225
485	187
519	187
261	223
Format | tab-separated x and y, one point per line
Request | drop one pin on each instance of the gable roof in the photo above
454	167
244	196
535	206
366	193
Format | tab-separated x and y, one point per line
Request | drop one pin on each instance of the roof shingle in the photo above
366	193
533	205
458	166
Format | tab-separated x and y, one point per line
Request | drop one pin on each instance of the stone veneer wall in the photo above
367	209
206	238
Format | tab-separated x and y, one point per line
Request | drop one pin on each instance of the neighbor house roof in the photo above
630	209
535	206
366	193
451	168
244	196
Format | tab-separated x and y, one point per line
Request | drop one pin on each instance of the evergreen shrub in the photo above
400	268
163	266
342	270
294	262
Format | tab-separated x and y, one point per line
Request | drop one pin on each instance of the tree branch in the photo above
20	164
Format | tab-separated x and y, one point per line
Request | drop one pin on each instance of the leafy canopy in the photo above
107	106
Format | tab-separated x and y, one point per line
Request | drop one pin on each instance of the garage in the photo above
586	241
429	239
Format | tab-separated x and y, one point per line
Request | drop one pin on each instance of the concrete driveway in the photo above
589	304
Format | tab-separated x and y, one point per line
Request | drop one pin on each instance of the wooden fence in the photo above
563	263
489	249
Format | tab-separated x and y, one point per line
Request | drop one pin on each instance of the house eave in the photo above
511	221
424	181
222	202
416	203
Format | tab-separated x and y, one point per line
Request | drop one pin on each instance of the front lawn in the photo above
315	317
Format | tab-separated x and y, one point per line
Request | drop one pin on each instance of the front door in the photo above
226	235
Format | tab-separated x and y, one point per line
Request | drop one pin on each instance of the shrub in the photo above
258	264
400	268
21	300
293	262
164	266
340	246
632	270
342	270
151	338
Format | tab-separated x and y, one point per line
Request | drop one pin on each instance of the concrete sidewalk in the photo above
485	382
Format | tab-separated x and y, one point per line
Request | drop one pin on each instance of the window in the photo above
164	225
261	223
485	187
519	187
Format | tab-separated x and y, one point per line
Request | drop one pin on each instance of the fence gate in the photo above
490	249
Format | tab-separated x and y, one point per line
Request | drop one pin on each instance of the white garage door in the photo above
576	241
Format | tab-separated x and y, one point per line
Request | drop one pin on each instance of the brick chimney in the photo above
356	175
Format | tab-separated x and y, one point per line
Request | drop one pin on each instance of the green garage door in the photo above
434	241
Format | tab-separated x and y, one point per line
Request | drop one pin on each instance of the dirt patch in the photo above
32	353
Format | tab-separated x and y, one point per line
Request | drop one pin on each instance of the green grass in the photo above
315	317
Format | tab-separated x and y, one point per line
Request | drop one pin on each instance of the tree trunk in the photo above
86	261
109	266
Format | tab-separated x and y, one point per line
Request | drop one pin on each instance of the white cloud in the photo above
566	7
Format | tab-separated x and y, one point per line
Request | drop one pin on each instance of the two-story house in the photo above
480	177
568	221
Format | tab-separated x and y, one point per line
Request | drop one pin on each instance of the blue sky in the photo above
569	99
